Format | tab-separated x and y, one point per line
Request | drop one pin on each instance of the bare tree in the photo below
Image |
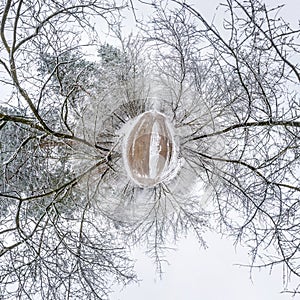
243	126
53	243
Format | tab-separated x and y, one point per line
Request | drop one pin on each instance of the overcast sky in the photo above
197	274
212	274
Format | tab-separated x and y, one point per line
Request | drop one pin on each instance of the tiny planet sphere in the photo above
149	151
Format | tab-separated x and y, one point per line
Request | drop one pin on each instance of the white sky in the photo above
197	274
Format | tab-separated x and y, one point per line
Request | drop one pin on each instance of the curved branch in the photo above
247	124
3	21
253	169
270	39
32	124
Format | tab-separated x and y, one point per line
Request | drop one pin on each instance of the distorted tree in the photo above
52	244
178	126
248	76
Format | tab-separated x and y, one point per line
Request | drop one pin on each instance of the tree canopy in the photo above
69	211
